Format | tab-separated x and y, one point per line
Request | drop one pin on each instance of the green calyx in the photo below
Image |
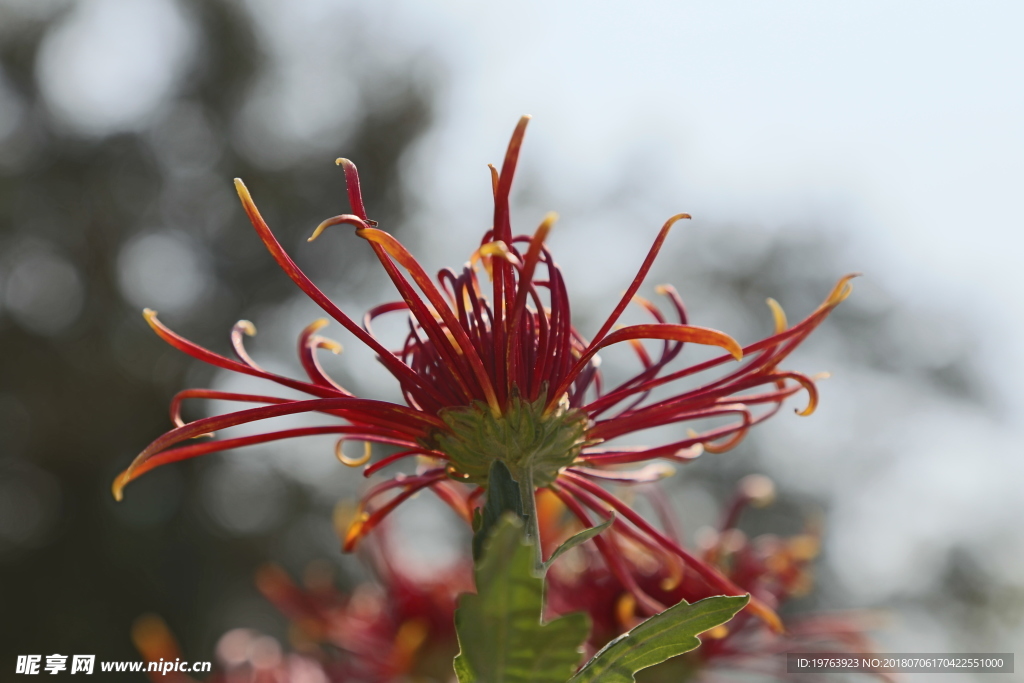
522	437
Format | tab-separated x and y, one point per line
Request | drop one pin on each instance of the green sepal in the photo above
501	637
661	637
523	435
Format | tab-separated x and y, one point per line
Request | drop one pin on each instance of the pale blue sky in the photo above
909	114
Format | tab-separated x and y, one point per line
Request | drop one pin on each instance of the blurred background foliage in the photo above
92	228
98	219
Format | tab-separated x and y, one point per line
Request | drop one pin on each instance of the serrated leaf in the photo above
502	496
661	637
501	637
576	539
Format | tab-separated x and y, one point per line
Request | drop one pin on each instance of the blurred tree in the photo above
89	225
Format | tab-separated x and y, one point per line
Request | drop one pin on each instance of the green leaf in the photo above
576	539
501	637
661	637
462	670
502	496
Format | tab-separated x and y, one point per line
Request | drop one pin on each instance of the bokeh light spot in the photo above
43	291
112	63
162	270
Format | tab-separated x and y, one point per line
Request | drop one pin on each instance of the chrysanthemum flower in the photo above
504	377
394	628
772	568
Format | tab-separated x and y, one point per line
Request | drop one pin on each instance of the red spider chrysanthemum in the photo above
504	377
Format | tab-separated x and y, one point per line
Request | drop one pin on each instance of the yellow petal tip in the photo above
150	315
247	327
734	348
316	232
318	324
353	462
842	290
781	324
355	532
717	633
117	488
766	614
243	194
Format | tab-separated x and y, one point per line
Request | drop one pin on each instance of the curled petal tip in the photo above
691	453
343	219
662	470
353	462
150	315
494	179
341	161
243	194
117	488
247	327
842	290
681	333
724	341
625	610
317	325
781	324
675	577
497	248
355	532
766	614
812	393
316	233
673	220
717	633
808	410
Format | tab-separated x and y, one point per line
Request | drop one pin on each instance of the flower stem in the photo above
531	524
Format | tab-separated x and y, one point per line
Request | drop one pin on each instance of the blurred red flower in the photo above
772	568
